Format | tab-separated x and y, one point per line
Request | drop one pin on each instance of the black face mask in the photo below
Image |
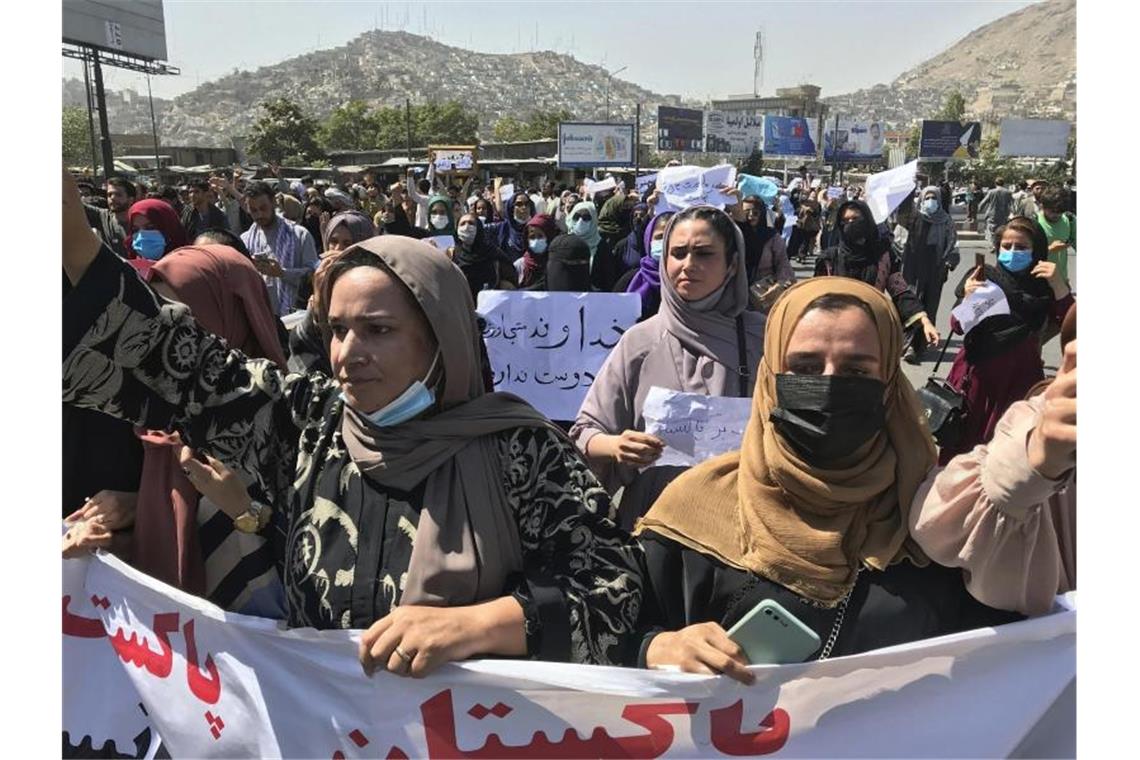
855	233
827	417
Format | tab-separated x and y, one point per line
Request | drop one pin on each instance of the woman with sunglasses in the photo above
1000	358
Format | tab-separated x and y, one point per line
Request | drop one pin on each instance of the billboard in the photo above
733	132
949	139
1034	138
588	144
790	136
130	27
680	129
853	141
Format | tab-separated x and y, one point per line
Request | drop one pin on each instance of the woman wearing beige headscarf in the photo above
446	521
812	511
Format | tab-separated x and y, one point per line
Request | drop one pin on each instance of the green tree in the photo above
284	131
953	108
444	123
540	125
350	127
76	137
509	129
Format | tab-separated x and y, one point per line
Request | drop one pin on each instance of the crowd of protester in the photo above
277	397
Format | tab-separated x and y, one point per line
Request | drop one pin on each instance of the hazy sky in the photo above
696	48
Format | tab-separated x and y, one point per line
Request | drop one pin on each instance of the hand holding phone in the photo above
770	635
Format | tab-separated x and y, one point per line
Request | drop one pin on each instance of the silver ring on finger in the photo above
407	658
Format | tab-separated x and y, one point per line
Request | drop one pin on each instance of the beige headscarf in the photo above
764	510
467	541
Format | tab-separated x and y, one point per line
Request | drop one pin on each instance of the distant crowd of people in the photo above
298	365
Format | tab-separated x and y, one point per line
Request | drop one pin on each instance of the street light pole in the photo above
609	81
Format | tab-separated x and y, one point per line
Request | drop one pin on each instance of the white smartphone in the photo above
770	635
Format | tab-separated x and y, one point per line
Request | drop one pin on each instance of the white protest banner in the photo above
694	427
548	347
886	190
506	192
834	192
103	716
987	301
222	685
685	186
1036	138
643	182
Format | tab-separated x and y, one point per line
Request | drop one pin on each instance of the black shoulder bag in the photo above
742	370
945	406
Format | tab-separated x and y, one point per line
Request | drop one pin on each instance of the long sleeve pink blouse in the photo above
1011	530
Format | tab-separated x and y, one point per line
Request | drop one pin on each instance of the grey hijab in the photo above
709	327
467	541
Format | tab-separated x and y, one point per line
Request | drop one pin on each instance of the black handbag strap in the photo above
942	354
742	370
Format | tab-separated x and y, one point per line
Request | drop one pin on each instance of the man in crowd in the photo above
995	207
1060	228
1030	203
230	202
201	213
111	223
283	252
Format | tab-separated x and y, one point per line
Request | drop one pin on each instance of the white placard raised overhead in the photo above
548	347
1034	138
683	186
218	685
987	301
886	190
694	427
506	192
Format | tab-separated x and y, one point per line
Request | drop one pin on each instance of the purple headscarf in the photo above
647	282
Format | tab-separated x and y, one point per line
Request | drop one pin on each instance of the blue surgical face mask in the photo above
1015	259
150	244
581	228
930	205
538	245
656	248
414	401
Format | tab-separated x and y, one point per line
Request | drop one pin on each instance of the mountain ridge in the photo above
1023	64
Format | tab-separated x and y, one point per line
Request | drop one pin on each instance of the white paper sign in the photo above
684	186
548	347
987	301
506	192
442	242
694	427
602	185
886	190
644	181
222	685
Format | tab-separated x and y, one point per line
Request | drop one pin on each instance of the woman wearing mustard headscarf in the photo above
812	511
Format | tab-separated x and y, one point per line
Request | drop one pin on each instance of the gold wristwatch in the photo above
254	519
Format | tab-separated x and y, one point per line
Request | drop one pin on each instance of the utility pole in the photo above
408	120
104	130
609	81
153	127
90	117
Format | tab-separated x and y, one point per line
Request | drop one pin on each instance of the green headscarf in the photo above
609	220
450	228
